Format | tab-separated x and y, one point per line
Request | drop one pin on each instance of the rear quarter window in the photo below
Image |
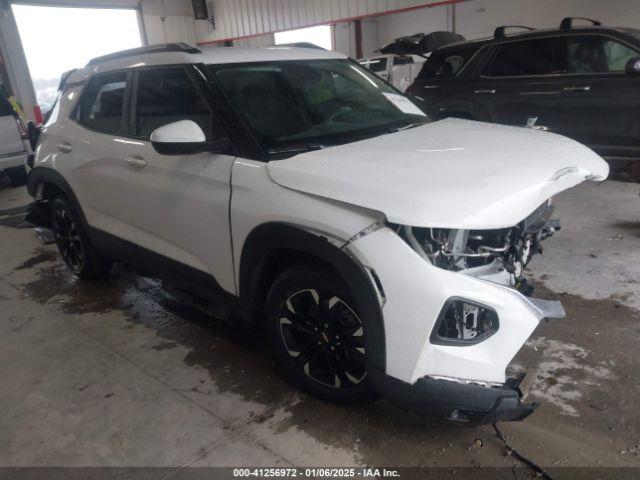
102	104
378	64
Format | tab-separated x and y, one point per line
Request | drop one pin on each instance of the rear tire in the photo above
73	243
316	336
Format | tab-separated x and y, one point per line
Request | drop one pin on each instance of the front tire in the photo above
73	243
316	335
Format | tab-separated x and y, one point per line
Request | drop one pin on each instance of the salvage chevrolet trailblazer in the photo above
381	252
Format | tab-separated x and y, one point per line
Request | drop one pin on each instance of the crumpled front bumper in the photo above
466	404
461	383
414	295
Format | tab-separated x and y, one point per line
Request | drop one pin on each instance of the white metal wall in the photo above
168	21
478	18
245	18
418	21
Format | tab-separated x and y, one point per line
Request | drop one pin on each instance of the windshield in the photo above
296	106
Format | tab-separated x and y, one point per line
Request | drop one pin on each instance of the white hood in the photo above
448	174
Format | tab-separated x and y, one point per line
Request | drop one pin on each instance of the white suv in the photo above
380	251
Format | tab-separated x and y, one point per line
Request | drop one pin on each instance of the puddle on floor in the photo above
41	256
578	369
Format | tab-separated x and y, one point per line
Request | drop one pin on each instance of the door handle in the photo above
584	88
64	147
490	91
135	161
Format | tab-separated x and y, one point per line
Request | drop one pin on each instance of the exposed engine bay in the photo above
499	255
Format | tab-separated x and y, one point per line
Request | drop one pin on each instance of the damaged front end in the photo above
497	255
457	402
467	311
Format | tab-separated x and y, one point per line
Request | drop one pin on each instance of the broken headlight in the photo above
463	322
481	251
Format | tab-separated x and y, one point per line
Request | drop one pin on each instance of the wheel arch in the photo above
45	183
272	247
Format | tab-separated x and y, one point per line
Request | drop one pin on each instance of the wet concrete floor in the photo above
130	372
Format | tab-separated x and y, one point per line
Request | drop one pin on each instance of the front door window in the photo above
592	54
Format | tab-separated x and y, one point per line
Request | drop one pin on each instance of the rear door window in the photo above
378	64
102	105
167	95
448	63
543	56
595	54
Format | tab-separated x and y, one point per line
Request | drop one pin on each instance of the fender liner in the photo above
44	175
265	240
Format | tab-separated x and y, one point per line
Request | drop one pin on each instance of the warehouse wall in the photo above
478	18
418	21
168	21
243	18
344	38
260	41
369	37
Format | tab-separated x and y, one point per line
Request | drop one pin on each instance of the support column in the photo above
15	63
358	26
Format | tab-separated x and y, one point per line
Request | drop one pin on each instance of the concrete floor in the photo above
124	373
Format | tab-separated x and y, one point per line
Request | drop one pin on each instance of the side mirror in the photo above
184	137
633	66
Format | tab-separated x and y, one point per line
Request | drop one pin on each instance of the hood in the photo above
448	174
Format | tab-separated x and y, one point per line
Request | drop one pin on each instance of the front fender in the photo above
260	254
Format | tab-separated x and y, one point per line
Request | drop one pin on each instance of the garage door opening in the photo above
57	39
320	36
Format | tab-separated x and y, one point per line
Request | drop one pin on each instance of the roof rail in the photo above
567	22
500	31
166	47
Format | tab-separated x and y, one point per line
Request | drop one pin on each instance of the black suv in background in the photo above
582	82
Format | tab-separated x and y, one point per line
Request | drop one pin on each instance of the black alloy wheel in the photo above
74	244
68	239
317	336
326	338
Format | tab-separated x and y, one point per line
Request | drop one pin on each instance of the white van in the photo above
399	70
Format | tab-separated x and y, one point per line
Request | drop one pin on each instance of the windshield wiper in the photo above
407	127
308	147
